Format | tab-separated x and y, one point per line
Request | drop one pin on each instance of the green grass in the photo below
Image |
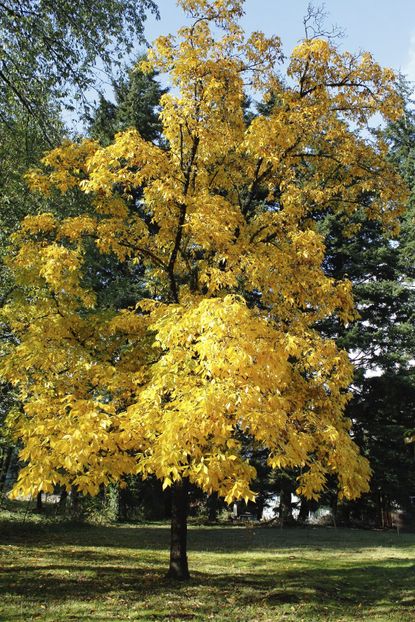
59	571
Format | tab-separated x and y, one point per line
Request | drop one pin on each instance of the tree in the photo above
217	221
382	340
137	99
401	139
383	414
51	47
22	145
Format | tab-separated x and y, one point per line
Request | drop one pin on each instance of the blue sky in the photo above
384	27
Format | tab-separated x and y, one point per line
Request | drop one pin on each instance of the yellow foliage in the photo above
226	240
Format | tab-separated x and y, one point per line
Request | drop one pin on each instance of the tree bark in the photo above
5	465
380	510
286	510
76	510
387	511
260	504
62	500
212	504
39	504
304	510
178	568
122	505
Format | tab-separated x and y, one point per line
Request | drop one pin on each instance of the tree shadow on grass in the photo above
138	581
214	539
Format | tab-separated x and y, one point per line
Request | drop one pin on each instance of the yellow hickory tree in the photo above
218	220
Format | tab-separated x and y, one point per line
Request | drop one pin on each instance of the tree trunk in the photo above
260	504
304	510
286	510
122	505
388	511
39	504
76	510
62	500
5	465
379	510
212	504
178	544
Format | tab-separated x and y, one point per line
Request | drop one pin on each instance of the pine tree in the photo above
382	340
137	101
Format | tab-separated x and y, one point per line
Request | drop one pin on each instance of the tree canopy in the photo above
49	48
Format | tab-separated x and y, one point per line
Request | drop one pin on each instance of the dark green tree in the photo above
381	341
137	98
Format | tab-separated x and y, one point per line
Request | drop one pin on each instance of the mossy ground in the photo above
57	571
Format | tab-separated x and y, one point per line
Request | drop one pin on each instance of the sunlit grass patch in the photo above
67	572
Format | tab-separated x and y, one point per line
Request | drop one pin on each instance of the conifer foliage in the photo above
218	220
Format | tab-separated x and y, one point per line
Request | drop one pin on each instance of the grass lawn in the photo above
56	572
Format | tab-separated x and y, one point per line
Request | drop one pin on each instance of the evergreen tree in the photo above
381	341
137	100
